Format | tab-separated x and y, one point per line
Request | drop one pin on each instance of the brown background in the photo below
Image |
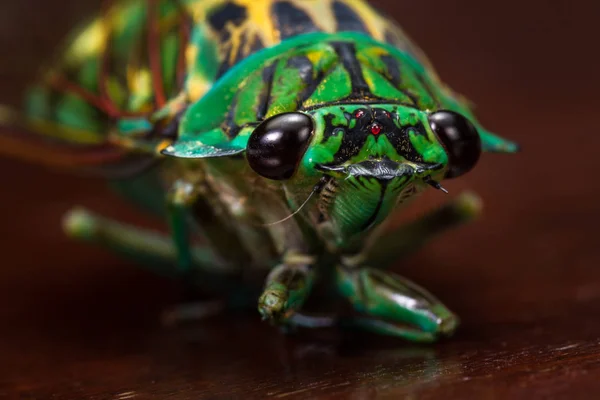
76	322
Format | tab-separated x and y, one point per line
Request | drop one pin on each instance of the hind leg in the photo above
409	238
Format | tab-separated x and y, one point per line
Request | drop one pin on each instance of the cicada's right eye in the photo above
277	146
460	140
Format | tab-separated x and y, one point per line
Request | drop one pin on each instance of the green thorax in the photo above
304	73
308	72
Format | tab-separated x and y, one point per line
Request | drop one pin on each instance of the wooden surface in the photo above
78	323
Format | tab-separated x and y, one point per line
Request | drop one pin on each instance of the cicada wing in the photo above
80	151
95	107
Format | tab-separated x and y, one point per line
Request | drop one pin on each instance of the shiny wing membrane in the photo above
96	107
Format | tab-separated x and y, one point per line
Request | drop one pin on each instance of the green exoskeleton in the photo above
275	137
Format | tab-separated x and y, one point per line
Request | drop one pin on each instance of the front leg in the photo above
286	289
210	220
393	305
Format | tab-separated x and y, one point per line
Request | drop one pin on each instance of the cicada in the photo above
274	137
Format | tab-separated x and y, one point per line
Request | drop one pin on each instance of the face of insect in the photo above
361	161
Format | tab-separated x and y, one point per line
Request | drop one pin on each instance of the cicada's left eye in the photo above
277	146
460	140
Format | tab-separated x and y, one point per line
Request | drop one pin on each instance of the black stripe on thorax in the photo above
268	76
347	54
227	13
290	20
250	43
347	19
305	70
229	126
364	102
393	74
427	87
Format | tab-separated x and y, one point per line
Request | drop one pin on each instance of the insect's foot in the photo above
447	323
272	305
79	223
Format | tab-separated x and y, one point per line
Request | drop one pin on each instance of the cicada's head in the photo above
358	162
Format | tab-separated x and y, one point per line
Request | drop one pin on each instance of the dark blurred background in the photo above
77	322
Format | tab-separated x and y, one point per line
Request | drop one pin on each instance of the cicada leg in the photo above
286	289
394	306
154	250
158	253
180	198
211	220
409	238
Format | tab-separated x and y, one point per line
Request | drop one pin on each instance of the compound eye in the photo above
460	140
277	146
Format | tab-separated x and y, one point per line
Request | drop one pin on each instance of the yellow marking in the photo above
257	24
61	132
131	143
191	55
369	79
192	82
259	16
378	52
315	56
172	108
163	145
276	108
200	10
378	25
139	80
371	54
373	21
235	34
89	43
92	41
120	13
197	86
48	128
320	12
